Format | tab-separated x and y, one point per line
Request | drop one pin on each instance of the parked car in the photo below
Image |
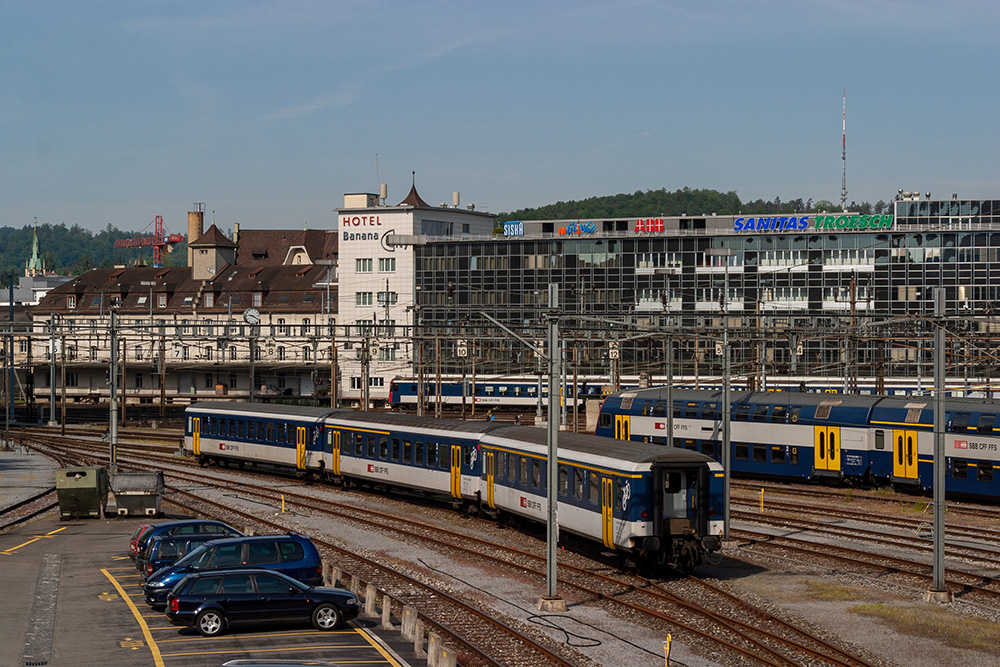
181	527
291	554
133	543
164	550
213	601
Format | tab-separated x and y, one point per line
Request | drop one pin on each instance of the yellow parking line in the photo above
272	650
153	648
8	552
376	645
257	635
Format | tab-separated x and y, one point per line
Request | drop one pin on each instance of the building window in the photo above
282	327
387	298
363	298
188	300
258	298
142	300
185	327
138	353
281	353
209	300
208	352
93	354
209	381
138	380
185	353
306	326
386	328
363	265
386	264
355	383
71	301
364	327
72	379
161	300
387	353
307	354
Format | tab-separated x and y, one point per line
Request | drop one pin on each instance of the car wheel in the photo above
210	622
326	617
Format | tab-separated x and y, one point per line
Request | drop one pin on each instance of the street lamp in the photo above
726	408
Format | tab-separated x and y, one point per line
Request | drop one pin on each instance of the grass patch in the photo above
938	624
819	590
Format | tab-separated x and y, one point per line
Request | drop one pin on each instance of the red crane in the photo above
159	241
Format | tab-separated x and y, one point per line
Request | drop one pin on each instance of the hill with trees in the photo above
660	203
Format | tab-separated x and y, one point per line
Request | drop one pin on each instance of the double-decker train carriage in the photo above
878	440
660	506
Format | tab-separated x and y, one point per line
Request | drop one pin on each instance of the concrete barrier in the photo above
387	613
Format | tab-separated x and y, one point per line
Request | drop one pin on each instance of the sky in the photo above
269	112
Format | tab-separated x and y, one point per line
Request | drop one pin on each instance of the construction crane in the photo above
158	241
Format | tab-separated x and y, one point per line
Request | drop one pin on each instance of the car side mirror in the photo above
293	590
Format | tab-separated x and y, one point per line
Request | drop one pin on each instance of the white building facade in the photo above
378	305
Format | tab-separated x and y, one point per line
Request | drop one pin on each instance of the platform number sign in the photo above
461	348
613	350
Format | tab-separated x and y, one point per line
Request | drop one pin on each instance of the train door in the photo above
607	511
623	430
301	438
196	436
456	471
826	448
904	455
334	451
490	477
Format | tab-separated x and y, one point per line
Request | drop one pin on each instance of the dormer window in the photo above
71	301
161	300
258	298
209	300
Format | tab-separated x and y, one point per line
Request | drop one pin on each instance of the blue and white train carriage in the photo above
814	436
663	506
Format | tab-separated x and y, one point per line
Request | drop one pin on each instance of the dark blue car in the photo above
214	601
180	528
291	554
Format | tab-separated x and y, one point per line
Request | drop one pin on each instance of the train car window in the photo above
604	420
501	465
913	415
444	456
960	422
524	471
503	390
741	413
512	468
779	414
578	483
708	448
467	455
960	469
777	454
985	423
232	428
432	453
241	429
488	389
595	488
678	411
383	447
710	411
823	411
418	453
691	444
536	473
660	410
691	410
270	432
793	415
215	426
647	408
370	440
760	413
984	471
563	481
742	452
880	439
672	482
407	452
395	449
760	454
794	459
626	404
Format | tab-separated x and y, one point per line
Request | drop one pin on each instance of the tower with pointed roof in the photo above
34	266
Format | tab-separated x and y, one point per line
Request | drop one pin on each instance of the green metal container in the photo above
82	492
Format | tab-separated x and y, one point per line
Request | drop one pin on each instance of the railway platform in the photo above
73	597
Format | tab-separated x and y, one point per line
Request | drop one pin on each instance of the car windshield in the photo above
191	556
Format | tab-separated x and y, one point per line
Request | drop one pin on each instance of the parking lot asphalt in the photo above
73	597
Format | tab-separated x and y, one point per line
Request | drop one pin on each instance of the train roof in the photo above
592	446
258	409
735	397
408	421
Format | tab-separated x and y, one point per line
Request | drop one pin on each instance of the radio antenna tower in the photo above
843	156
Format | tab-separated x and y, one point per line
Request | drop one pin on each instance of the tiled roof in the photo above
213	237
269	247
413	199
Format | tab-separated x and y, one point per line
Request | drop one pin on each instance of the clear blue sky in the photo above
114	112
